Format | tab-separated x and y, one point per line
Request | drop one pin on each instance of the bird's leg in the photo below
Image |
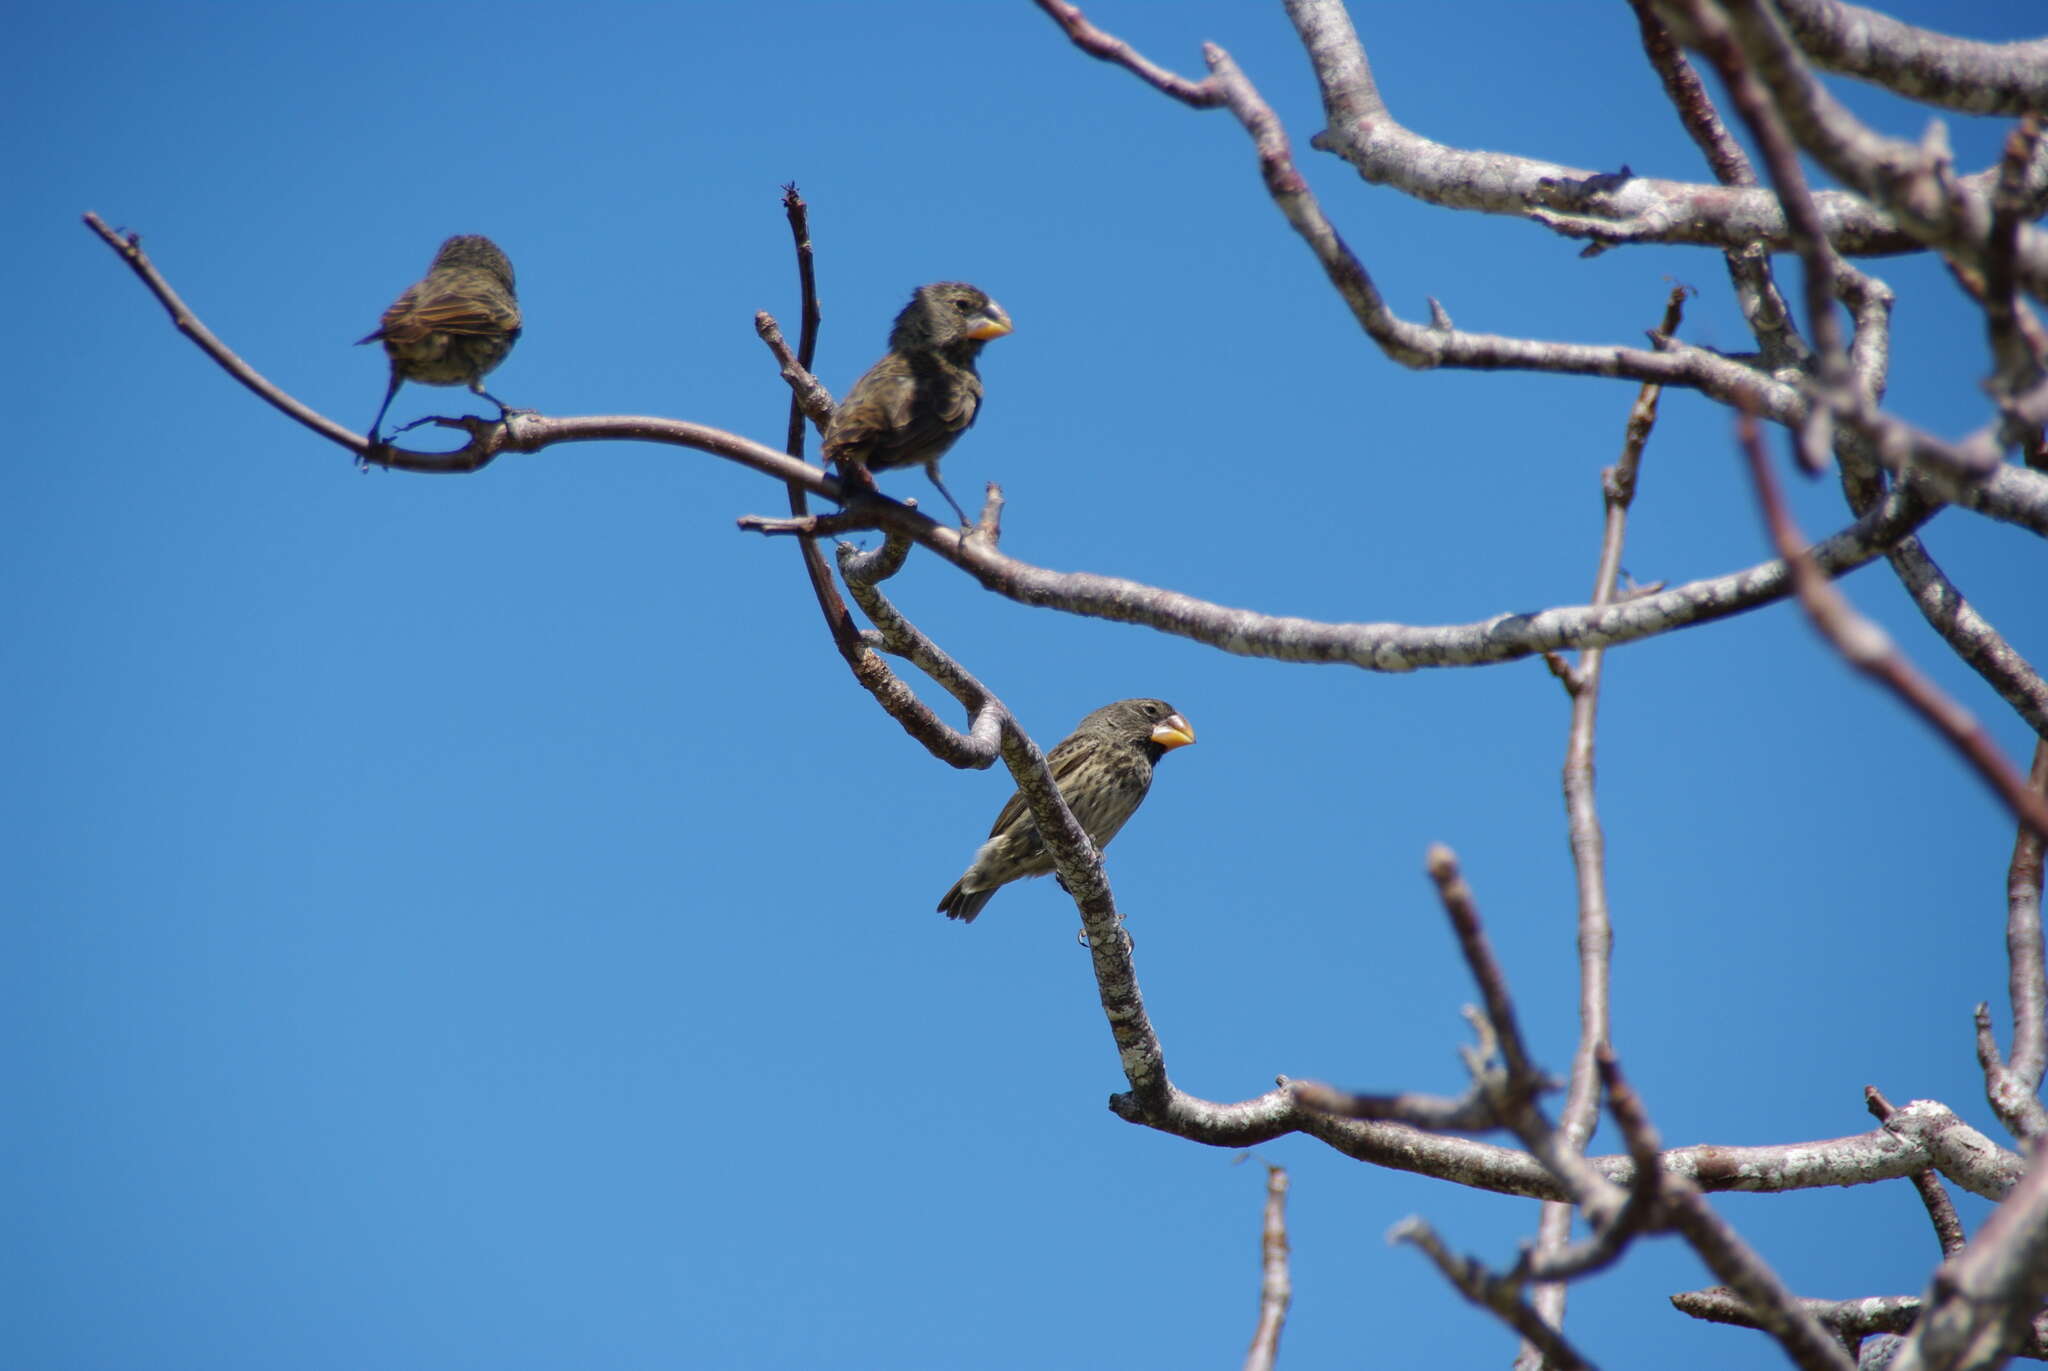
931	469
505	411
378	422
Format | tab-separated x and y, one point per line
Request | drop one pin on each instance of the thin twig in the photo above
1477	948
1476	1111
872	673
1983	1302
976	749
1849	1319
1867	648
1804	1337
2023	947
1947	611
1749	266
1515	1087
1682	86
1276	1286
1638	1212
1581	1109
129	247
1108	47
1471	1112
2019	350
1499	1295
1941	1210
1809	236
806	390
2014	1088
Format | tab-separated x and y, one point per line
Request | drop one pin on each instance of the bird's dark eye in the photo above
1151	711
964	306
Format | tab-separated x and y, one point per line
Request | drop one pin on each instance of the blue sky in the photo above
477	922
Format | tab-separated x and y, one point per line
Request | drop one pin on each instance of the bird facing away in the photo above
1103	769
455	325
911	406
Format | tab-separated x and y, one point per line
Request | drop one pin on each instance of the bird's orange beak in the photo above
1173	731
994	324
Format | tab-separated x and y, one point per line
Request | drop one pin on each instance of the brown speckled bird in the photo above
454	326
1103	769
911	406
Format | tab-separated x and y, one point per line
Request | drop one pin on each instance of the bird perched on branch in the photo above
454	326
1103	769
910	406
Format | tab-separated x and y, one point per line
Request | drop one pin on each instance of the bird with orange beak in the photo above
912	405
1103	769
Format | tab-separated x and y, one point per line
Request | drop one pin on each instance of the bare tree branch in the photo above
976	749
128	246
1730	164
1953	467
1499	1295
1589	846
1983	1302
1915	186
1512	1092
1959	73
2019	347
1513	1088
1921	1134
1749	267
2014	495
1794	1326
870	671
1608	1241
1605	207
1849	1319
1096	43
2013	1089
1941	1211
1075	857
1824	384
1867	648
807	394
1807	233
2029	976
1967	632
1970	635
1472	1112
1276	1286
2011	493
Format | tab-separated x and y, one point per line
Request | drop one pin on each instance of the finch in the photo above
1103	769
455	325
910	406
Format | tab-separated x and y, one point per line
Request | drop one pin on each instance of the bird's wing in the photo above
396	314
1061	761
412	317
877	407
898	412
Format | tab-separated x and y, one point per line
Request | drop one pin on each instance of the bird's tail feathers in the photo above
964	904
